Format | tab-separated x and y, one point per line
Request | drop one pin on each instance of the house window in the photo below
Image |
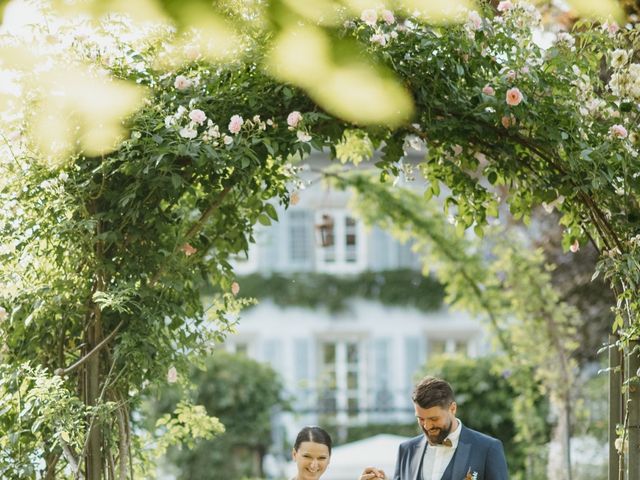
340	246
340	384
300	242
350	240
439	346
326	238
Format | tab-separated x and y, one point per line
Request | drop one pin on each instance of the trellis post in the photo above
633	412
615	406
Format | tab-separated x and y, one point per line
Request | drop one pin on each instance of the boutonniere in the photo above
471	476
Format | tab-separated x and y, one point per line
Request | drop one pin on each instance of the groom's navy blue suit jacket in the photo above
476	452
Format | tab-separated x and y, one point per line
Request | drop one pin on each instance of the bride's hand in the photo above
371	473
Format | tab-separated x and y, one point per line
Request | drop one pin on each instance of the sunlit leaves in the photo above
140	10
350	88
206	33
355	146
602	10
81	112
325	12
437	10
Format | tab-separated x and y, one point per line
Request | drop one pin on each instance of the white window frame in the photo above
341	372
340	265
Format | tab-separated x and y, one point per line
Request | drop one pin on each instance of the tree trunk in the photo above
558	455
93	457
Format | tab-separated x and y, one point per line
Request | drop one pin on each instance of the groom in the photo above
448	450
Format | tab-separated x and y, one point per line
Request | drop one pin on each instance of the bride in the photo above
311	452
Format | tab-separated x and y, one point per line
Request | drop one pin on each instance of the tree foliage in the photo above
242	394
403	287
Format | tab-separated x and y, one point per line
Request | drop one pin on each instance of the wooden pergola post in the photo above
615	405
633	410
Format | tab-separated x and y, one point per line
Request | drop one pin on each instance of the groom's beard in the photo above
437	435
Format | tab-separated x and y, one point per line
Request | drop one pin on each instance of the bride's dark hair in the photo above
313	434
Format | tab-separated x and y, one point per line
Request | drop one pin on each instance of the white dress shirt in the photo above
437	457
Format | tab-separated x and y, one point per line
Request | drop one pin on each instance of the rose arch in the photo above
103	254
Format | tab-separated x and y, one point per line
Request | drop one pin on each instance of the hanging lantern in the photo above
325	229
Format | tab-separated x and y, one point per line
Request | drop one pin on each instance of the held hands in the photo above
371	473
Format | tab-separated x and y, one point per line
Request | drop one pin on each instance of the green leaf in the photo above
176	181
271	211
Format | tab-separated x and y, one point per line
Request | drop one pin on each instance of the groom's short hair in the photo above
432	392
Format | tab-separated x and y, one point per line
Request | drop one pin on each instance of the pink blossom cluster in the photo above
625	82
193	123
473	23
187	123
371	17
294	121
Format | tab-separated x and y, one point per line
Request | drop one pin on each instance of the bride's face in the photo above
312	459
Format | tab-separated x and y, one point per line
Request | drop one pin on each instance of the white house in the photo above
352	368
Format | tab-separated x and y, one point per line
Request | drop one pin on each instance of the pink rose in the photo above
303	137
504	6
514	96
575	246
488	90
618	131
387	16
188	132
182	82
378	38
188	249
235	124
172	375
294	119
475	20
611	28
369	16
509	121
235	288
197	116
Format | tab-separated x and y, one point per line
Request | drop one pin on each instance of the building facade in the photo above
358	366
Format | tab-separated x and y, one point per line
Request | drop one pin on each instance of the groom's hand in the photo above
370	473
